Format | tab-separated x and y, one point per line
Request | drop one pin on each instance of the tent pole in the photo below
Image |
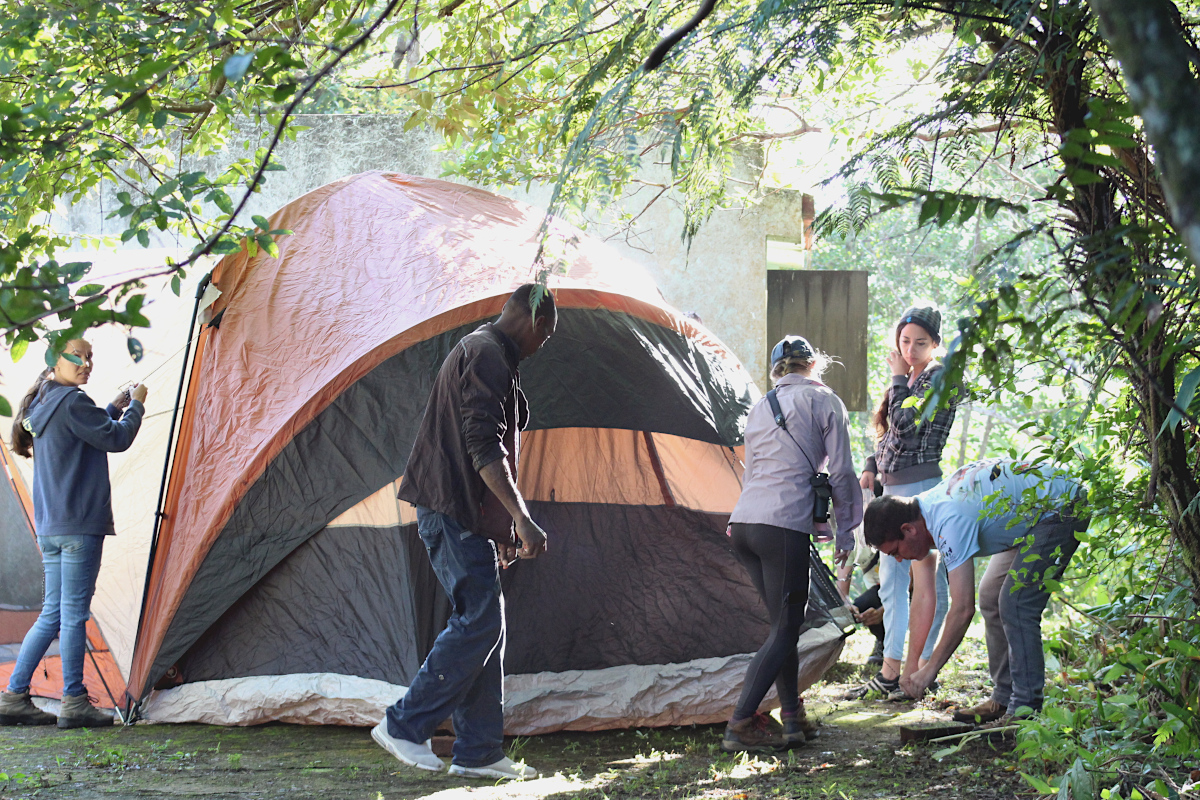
162	487
92	654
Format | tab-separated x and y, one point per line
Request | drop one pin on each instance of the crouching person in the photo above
1026	517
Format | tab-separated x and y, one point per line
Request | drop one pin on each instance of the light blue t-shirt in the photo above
974	512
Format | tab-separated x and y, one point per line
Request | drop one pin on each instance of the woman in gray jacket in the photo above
773	522
70	438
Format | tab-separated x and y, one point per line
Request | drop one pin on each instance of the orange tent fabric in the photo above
377	263
100	674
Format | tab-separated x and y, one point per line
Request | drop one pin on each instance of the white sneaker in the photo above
411	753
505	769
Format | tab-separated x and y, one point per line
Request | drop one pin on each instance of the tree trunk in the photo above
1145	37
1155	59
966	430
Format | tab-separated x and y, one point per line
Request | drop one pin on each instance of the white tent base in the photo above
701	691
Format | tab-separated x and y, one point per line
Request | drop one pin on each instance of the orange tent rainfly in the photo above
287	582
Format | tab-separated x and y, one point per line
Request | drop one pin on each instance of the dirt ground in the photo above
858	755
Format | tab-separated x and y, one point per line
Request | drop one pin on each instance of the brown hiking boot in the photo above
758	732
799	729
78	712
17	708
986	711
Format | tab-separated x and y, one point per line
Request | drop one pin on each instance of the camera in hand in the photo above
823	493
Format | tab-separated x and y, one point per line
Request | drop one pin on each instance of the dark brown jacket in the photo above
473	416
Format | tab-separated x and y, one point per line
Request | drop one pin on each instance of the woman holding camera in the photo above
907	461
70	439
785	502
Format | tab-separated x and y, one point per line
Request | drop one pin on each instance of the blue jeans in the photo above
463	675
894	577
71	564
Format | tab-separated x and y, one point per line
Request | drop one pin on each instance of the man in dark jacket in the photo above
461	476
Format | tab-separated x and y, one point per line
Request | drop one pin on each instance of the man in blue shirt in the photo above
1023	514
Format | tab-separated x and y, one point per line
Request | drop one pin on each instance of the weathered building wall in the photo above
722	278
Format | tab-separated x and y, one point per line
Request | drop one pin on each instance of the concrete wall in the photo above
722	279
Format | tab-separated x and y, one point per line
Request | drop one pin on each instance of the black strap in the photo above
781	421
773	400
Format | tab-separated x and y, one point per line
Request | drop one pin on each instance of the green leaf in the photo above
1115	140
175	284
1183	400
237	65
226	246
74	359
949	206
1040	786
135	349
967	207
5	408
261	222
929	209
18	349
1083	177
268	244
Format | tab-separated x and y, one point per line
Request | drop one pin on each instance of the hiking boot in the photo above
798	729
505	770
986	711
878	687
78	712
876	656
17	708
413	754
758	732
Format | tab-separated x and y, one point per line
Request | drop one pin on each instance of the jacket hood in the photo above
45	404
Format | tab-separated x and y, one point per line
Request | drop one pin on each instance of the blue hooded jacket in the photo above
72	438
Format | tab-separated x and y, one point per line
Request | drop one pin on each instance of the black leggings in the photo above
777	560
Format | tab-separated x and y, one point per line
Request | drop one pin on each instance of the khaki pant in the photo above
1012	597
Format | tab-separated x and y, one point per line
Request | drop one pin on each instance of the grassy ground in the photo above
858	755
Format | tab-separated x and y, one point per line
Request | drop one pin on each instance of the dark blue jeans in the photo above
71	564
463	676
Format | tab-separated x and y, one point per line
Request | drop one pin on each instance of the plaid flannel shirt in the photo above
910	444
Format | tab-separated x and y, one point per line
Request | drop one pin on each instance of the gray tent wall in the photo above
20	561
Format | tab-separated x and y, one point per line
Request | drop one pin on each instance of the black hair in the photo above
22	440
884	516
523	298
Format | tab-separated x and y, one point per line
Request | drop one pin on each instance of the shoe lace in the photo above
761	722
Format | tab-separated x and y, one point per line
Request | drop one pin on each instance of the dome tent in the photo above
286	580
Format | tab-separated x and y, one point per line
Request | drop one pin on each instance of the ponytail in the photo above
880	419
22	440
